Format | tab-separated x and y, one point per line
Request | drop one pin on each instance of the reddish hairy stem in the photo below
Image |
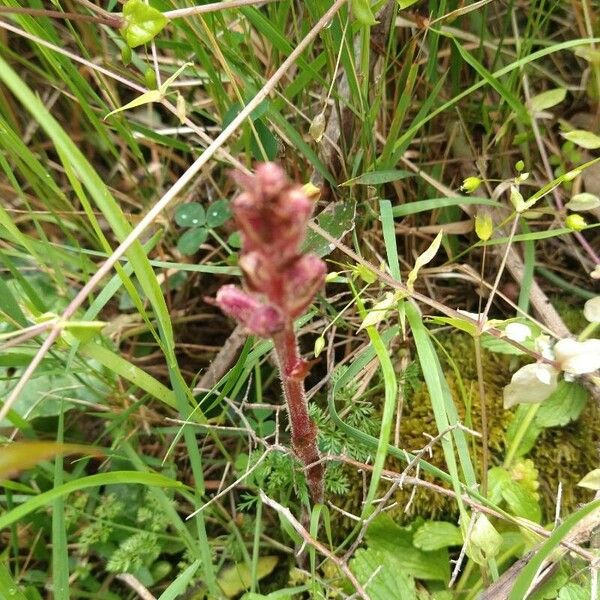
304	431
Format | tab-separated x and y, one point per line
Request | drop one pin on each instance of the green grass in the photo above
413	106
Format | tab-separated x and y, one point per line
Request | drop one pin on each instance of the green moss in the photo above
562	454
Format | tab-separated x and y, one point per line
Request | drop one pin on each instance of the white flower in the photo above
578	358
531	384
517	332
544	347
591	310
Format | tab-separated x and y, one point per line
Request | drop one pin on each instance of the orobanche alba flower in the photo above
531	384
591	310
535	383
578	358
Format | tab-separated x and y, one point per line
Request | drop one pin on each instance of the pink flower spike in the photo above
304	278
258	318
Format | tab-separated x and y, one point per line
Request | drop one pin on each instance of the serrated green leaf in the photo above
379	573
434	535
386	536
378	177
547	100
564	405
142	22
218	213
585	139
191	240
191	214
522	502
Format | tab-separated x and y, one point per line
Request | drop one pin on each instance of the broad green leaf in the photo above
434	535
142	22
386	536
146	98
564	405
591	480
484	542
361	9
218	212
178	587
337	220
191	214
572	591
585	139
424	259
583	201
378	572
237	578
191	240
378	177
19	456
547	100
522	502
497	478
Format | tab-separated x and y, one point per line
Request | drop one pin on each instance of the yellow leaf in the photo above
147	98
18	456
423	259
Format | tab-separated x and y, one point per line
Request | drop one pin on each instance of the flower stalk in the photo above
280	283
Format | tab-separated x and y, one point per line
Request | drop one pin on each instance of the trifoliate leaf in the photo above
547	100
191	214
585	139
583	201
218	213
191	240
142	22
424	259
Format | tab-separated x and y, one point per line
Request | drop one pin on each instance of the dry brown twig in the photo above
308	539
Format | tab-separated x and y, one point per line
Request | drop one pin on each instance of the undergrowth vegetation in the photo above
413	274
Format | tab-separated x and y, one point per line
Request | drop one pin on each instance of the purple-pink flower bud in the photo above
304	278
261	319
